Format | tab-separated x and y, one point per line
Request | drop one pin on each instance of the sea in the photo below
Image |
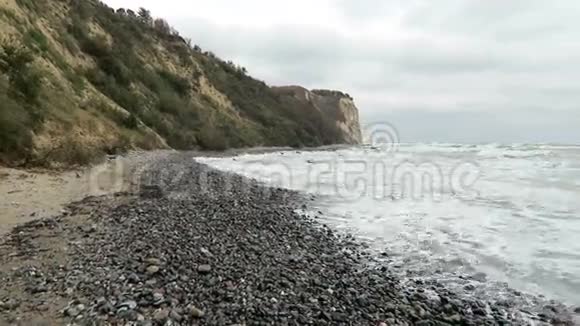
492	221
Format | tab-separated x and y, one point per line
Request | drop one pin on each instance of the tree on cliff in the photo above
145	15
162	26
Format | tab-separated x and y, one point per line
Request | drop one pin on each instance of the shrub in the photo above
69	43
180	85
183	52
158	122
120	145
77	81
72	152
114	67
9	14
82	9
170	103
119	117
97	47
14	58
15	134
28	84
15	62
37	39
151	80
97	78
130	121
33	5
148	141
181	139
211	138
145	15
162	27
57	58
109	86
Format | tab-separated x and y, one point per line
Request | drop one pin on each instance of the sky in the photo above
467	71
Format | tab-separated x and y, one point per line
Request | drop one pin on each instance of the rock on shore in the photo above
197	246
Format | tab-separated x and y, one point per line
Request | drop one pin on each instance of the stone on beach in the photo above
212	248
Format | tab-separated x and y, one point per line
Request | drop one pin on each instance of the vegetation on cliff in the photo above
78	80
333	93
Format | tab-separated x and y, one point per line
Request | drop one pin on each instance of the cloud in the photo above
482	64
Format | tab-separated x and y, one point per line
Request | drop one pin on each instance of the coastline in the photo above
32	194
190	244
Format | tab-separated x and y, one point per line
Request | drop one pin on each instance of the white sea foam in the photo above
506	213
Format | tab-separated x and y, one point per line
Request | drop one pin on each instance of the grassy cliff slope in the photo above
79	80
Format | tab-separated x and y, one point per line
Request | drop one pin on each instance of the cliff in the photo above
335	105
79	80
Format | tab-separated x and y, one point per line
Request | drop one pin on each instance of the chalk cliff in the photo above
336	106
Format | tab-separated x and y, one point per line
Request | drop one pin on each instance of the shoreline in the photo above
194	245
32	194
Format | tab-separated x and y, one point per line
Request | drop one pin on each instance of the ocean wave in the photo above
518	211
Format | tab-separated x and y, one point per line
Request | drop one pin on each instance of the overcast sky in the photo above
446	70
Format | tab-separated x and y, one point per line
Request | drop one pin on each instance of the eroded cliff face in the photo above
341	108
338	107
